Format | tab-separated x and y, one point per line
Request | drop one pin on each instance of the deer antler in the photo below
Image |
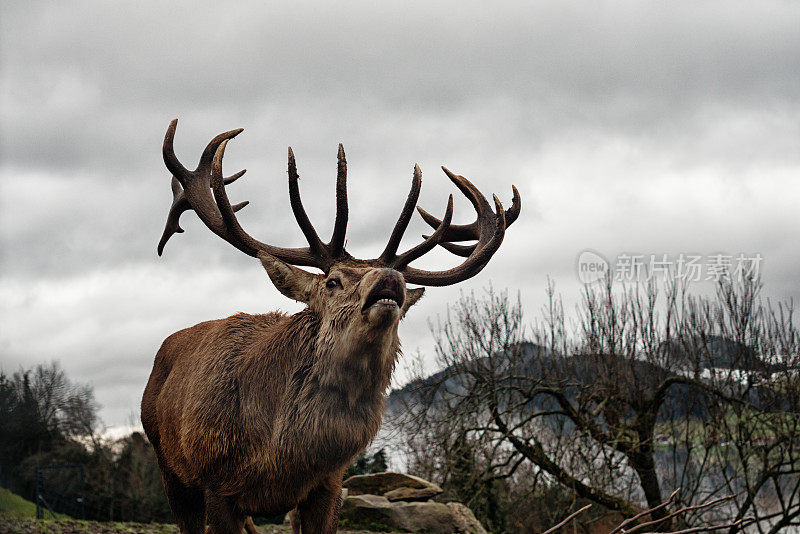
203	190
389	255
469	232
488	229
193	190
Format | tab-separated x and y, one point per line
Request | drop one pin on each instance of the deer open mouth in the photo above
383	294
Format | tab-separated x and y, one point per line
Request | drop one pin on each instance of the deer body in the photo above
262	414
258	415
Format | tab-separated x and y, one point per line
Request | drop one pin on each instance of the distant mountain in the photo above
639	375
448	379
716	352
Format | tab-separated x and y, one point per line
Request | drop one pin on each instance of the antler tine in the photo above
235	234
210	151
168	151
389	253
402	261
459	250
232	178
179	205
300	215
488	229
336	245
468	232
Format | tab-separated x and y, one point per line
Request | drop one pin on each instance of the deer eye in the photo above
333	282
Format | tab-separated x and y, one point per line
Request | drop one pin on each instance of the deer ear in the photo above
412	296
293	282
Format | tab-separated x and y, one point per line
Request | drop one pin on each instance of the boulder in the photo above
464	520
412	494
382	483
377	513
424	517
367	511
392	501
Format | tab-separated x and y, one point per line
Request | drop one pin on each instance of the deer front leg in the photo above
249	526
222	516
319	512
187	504
294	520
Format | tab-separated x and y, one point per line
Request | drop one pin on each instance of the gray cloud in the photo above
627	127
624	67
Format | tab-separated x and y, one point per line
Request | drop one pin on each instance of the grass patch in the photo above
12	506
34	526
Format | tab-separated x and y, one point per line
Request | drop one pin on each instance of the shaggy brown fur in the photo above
261	414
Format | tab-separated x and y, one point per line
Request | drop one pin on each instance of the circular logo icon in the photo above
592	267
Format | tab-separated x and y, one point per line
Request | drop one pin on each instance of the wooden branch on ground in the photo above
639	528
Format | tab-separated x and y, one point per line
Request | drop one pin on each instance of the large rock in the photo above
383	483
377	513
425	517
369	511
389	501
464	520
412	494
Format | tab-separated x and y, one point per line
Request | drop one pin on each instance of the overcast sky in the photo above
628	127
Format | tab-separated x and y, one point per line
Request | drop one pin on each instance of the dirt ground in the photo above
33	526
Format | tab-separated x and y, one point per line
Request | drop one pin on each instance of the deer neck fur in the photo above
338	381
357	368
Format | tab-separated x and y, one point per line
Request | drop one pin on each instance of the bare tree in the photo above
647	392
61	407
753	428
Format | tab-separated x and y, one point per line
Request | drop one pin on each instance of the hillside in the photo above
537	362
12	506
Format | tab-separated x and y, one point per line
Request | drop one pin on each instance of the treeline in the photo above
48	420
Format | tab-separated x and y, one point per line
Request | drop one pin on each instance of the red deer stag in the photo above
262	414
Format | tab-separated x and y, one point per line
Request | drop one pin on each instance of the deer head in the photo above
362	298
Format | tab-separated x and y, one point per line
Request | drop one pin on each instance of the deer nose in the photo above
388	284
390	279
